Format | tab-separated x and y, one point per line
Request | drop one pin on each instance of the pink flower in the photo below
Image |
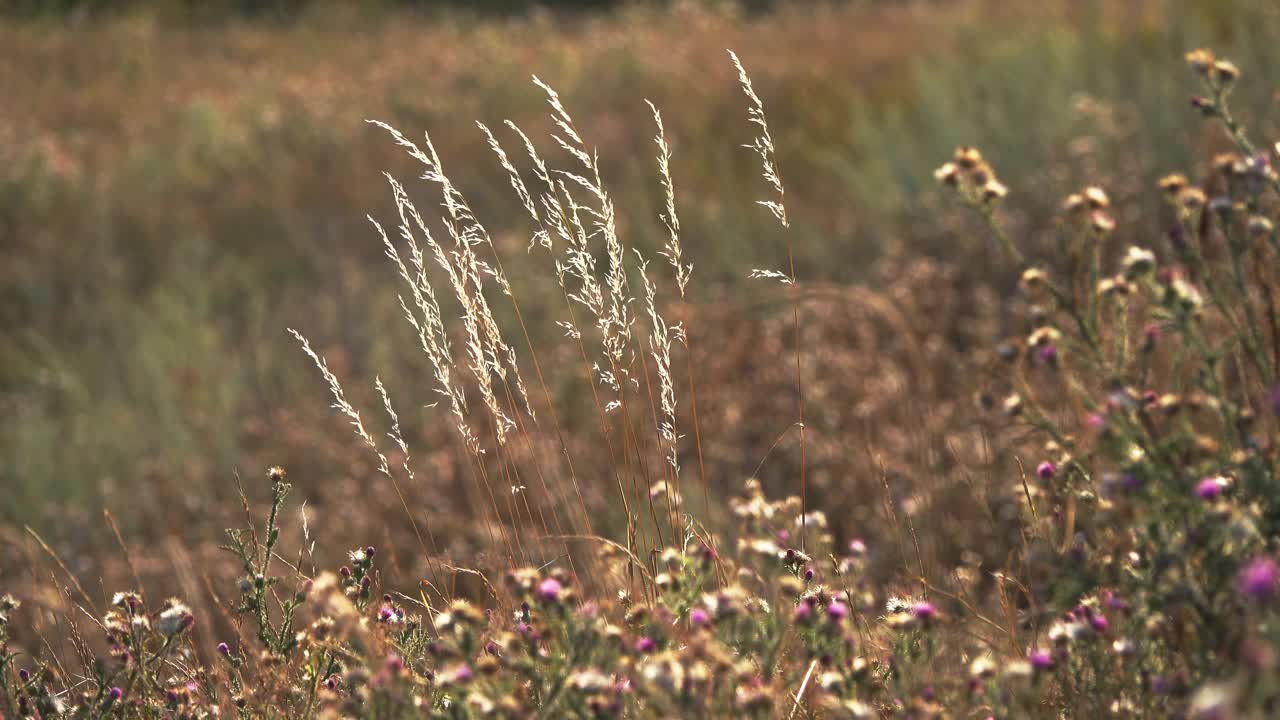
549	590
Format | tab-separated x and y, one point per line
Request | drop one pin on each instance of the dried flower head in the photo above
1200	61
1225	73
1173	184
1101	223
993	191
1138	262
948	175
1096	198
175	618
1192	199
1260	225
1074	204
968	158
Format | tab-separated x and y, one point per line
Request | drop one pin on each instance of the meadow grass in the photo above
1050	494
179	192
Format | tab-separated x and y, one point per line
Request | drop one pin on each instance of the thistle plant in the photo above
1128	425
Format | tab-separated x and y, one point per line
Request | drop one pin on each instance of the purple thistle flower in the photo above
1040	660
645	645
224	649
1209	489
925	612
1099	623
1047	470
1049	354
549	590
803	612
837	611
395	664
115	694
1260	579
699	617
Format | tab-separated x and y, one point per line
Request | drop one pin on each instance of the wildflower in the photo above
1074	203
1043	336
224	649
1260	579
549	591
948	174
1184	295
1225	73
1206	106
390	614
1191	199
1096	198
1099	623
1046	470
1041	660
460	674
1172	185
968	158
459	614
664	672
803	612
1228	164
993	191
276	474
646	645
1033	280
1260	225
115	694
924	612
174	619
130	601
1200	61
837	611
1212	702
1210	488
590	680
1101	223
699	617
982	667
1114	287
1138	262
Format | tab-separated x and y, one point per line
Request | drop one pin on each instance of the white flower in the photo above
175	618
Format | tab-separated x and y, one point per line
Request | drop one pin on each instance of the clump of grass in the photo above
1131	418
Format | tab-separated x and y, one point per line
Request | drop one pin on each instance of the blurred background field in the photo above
179	185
